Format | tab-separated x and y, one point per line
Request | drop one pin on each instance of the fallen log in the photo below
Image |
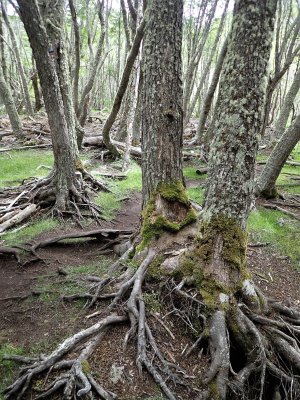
283	210
98	234
16	219
37	146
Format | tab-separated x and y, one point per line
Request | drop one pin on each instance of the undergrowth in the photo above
7	367
279	230
16	166
28	233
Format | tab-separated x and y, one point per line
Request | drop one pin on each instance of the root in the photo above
250	348
35	195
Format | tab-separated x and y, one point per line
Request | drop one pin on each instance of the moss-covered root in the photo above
168	210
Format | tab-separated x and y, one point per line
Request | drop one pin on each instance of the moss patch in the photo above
233	252
154	223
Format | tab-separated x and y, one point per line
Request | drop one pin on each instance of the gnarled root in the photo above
253	344
42	194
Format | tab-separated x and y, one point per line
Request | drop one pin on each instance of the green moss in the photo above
154	268
233	253
154	224
85	367
213	388
173	191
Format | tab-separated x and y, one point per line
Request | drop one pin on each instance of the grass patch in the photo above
190	174
29	232
7	368
196	194
110	203
19	165
278	229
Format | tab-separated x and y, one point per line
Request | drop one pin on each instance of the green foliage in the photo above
152	301
109	204
7	368
277	228
29	232
19	165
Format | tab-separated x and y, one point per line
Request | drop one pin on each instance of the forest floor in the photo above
34	318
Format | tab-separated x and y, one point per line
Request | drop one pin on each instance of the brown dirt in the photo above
39	325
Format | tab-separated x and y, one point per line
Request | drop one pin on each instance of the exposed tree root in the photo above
253	342
41	194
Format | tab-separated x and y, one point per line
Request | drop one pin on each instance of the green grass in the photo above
7	368
16	166
196	194
277	228
190	173
29	232
110	203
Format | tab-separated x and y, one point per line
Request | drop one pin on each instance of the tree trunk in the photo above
27	99
207	102
134	51
64	144
162	123
288	104
10	107
77	53
289	139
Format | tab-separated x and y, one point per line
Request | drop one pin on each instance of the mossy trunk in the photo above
219	254
239	112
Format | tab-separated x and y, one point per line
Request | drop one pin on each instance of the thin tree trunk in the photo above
207	67
207	102
96	62
27	99
270	173
10	107
134	51
77	53
288	103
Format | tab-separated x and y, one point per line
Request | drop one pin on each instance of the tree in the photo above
278	157
65	185
25	90
211	274
10	107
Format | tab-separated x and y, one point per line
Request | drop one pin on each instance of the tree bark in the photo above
289	139
27	99
10	107
239	112
63	140
288	104
162	115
